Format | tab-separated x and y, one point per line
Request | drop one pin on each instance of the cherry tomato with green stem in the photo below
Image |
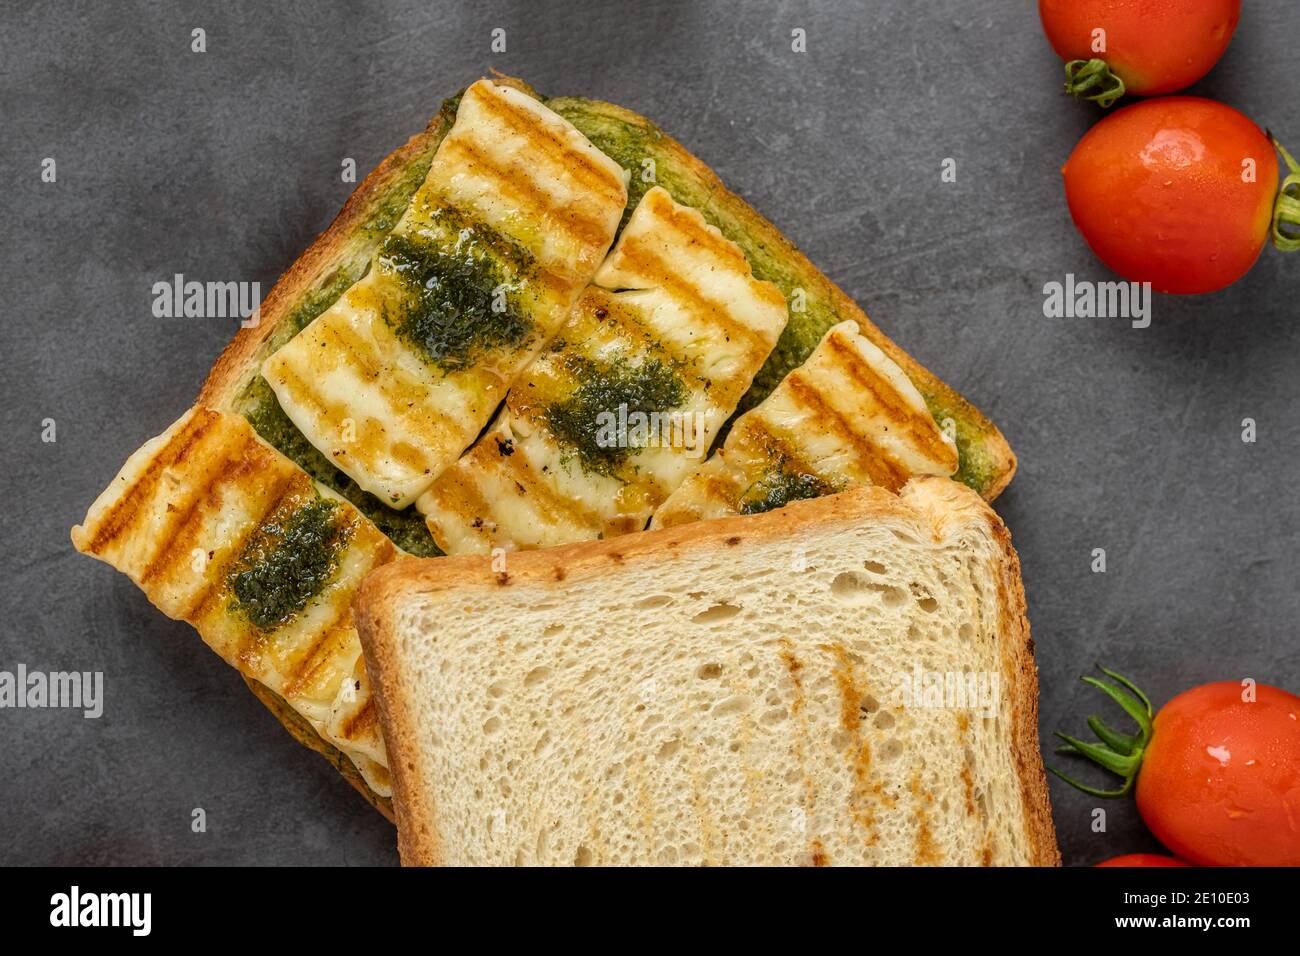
1181	192
1144	47
1216	770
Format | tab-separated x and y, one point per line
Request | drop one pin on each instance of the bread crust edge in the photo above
305	734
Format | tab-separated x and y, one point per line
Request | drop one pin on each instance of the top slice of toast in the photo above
844	681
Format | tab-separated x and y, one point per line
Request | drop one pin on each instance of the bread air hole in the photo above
718	612
850	587
732	705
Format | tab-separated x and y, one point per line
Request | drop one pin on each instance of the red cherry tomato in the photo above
1153	46
1142	859
1217	769
1178	192
1220	780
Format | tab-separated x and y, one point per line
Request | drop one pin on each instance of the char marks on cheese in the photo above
847	415
223	532
396	379
603	426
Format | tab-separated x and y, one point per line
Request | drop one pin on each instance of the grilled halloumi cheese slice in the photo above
606	423
847	415
224	532
395	379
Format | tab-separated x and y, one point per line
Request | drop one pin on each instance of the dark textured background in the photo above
225	165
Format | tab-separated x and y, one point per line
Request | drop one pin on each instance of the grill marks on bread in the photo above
395	379
720	693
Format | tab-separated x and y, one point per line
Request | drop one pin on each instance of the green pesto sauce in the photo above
321	298
259	406
460	302
452	103
380	221
286	564
405	528
604	387
779	487
631	141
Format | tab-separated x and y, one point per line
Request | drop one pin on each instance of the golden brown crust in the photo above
1021	672
416	843
934	504
1019	665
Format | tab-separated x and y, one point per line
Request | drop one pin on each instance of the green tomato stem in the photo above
1120	754
1095	791
1120	743
1286	211
1092	80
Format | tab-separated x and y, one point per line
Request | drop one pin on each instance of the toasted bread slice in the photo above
343	255
753	690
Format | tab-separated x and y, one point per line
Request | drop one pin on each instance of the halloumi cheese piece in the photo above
397	377
847	415
224	532
626	403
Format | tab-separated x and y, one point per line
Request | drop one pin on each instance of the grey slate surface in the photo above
225	165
